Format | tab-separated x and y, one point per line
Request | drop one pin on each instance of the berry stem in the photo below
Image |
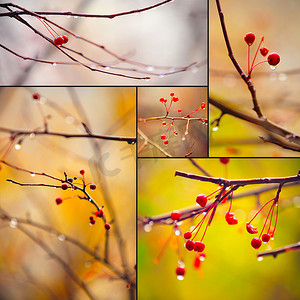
259	211
262	39
266	220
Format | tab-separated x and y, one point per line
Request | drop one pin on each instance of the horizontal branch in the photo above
240	182
274	253
15	132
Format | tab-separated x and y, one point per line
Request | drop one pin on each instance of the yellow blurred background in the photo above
231	269
26	271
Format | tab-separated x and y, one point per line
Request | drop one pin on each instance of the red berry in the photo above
162	100
91	218
175	215
175	99
265	237
179	110
256	243
230	218
201	200
251	229
99	213
92	222
166	142
65	38
93	187
172	94
249	38
202	105
164	123
163	136
107	226
187	235
82	172
199	246
264	51
36	96
273	59
58	41
189	245
64	186
180	271
58	201
224	161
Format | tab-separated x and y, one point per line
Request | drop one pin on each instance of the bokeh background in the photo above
231	269
190	98
172	35
277	90
26	271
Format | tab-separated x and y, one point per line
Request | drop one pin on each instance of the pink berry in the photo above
175	215
93	187
58	201
107	226
199	246
265	237
201	200
58	41
64	186
264	51
273	59
163	136
249	38
187	235
65	38
166	142
36	96
256	243
224	161
180	271
190	245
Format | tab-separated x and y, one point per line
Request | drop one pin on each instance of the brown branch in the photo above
274	253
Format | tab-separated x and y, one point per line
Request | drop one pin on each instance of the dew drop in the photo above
180	277
61	237
75	17
32	136
150	68
161	76
260	258
13	223
106	67
147	79
54	64
69	120
177	232
18	146
148	227
68	17
216	128
202	258
32	174
183	139
273	67
195	70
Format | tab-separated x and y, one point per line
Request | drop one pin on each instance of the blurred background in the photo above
231	269
277	90
172	35
190	99
26	271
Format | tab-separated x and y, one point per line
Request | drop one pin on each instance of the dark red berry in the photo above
82	172
224	161
273	59
249	38
166	142
91	218
256	243
201	200
180	271
187	235
175	215
163	136
64	186
92	222
190	245
99	213
65	38
58	201
107	226
93	187
265	237
36	96
264	51
199	246
251	229
58	41
70	180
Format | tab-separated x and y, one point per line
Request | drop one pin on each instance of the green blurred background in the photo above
231	269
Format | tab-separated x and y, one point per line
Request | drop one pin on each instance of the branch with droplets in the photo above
274	253
139	68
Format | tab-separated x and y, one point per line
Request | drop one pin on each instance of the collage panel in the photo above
67	158
214	229
172	122
254	110
100	42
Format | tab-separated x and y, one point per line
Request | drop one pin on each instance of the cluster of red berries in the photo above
60	40
273	58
